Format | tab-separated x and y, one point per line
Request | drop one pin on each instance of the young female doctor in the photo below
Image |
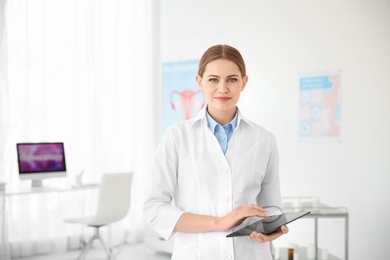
211	172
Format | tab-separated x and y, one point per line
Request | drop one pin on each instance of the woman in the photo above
213	171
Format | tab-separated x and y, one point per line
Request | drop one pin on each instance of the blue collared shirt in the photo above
222	133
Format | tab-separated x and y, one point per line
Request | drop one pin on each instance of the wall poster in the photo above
181	97
319	105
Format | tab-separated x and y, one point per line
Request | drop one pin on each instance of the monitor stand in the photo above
36	183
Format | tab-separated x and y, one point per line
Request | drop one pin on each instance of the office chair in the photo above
113	205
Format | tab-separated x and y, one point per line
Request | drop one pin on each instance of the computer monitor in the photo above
38	161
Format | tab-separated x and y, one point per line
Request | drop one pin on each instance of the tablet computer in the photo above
265	225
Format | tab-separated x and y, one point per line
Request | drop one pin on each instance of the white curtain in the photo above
81	72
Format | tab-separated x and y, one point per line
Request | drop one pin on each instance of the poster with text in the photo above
320	107
181	97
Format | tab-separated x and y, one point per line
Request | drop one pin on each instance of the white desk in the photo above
318	212
25	191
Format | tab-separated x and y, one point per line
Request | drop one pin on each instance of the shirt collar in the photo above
211	123
203	115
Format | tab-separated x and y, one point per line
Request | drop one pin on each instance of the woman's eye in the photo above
232	79
213	80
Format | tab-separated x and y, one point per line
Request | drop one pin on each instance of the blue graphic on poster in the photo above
181	97
320	106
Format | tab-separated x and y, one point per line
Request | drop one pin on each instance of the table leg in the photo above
316	238
4	255
346	236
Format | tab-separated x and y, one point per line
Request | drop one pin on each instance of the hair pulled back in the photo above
221	51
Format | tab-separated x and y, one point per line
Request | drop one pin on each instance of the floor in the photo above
124	252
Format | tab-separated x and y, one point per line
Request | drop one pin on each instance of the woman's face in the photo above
222	84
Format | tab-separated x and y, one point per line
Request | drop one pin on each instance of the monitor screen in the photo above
38	161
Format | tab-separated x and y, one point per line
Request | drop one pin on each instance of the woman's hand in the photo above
237	215
261	238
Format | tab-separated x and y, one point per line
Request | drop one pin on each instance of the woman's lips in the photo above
223	99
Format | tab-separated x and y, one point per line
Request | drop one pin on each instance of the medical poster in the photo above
181	97
320	107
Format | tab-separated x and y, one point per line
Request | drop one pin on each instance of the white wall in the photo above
279	40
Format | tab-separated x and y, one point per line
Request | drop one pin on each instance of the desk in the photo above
25	191
317	212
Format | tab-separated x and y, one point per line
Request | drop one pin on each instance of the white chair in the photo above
113	205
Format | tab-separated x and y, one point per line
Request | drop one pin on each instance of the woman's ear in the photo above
199	81
244	80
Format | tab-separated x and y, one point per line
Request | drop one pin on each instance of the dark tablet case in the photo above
265	225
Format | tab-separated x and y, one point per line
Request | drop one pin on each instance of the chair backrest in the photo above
114	199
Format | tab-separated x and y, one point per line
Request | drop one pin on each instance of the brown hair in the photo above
221	52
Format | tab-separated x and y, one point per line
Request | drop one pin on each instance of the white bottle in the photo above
311	252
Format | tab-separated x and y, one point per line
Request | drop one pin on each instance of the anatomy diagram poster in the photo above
181	97
320	106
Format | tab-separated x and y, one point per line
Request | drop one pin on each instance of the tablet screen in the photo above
265	225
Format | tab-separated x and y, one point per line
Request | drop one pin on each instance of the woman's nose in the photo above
222	88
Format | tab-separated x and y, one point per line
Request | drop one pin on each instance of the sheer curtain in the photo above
81	72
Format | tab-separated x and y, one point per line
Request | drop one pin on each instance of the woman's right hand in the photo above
238	215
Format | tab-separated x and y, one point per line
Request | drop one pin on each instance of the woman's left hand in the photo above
261	238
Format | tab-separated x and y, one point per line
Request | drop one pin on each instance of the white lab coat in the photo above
191	174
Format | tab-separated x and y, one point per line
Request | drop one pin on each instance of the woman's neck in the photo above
222	117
